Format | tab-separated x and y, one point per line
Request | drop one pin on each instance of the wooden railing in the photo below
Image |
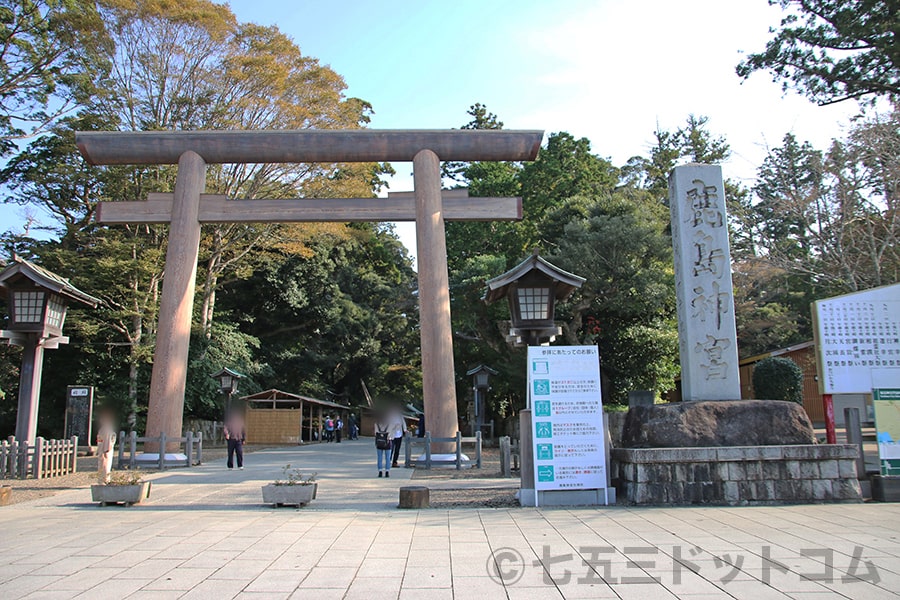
43	458
426	442
193	450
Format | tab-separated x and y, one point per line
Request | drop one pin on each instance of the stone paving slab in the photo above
206	534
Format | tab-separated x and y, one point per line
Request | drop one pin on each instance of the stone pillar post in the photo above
706	329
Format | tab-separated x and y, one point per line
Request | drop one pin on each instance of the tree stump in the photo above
5	495
414	496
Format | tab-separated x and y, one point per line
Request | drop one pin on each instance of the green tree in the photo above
778	378
626	306
49	60
833	50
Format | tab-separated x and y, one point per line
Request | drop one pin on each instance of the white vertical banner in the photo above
567	418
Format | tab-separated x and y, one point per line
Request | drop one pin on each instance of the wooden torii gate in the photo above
189	207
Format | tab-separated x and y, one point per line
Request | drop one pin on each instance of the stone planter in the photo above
291	495
120	494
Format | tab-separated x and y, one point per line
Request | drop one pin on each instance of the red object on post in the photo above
830	433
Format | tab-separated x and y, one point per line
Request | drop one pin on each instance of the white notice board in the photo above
567	418
855	334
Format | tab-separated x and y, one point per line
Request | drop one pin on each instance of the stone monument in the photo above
707	336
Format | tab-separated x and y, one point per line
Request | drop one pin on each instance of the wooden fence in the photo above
43	458
427	441
193	450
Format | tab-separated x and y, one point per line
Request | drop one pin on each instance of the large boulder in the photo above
717	423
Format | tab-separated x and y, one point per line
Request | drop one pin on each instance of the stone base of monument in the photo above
442	461
717	423
148	460
600	497
737	476
730	453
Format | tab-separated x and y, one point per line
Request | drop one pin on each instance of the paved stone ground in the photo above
205	534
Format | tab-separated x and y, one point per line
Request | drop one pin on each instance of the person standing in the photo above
338	427
398	424
106	443
329	428
383	445
354	428
235	436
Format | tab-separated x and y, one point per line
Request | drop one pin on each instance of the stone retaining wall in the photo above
737	475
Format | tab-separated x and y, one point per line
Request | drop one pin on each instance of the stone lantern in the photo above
481	376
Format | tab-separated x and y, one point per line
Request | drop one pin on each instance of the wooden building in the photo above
277	417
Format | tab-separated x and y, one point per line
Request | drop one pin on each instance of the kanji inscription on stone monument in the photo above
706	327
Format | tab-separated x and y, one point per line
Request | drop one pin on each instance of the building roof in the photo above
278	396
568	282
19	267
781	351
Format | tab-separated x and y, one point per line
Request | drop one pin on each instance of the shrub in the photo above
777	378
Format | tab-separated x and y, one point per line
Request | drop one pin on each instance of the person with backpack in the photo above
384	444
329	428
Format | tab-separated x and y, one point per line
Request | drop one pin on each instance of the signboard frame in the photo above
569	438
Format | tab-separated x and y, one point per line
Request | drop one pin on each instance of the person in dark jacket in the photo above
235	436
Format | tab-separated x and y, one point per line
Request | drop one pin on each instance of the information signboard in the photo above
886	398
855	334
79	412
567	418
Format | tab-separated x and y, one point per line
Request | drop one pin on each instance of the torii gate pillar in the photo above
438	378
173	338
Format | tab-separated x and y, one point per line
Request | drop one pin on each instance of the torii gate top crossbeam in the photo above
307	145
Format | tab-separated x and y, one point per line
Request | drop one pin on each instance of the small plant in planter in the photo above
124	487
294	490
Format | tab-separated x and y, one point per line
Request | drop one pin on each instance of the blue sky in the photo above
608	70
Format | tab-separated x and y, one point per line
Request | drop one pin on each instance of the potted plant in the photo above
124	487
293	490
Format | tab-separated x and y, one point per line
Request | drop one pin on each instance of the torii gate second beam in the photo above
189	207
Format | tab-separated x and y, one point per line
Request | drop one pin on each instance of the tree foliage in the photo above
191	65
50	55
778	378
834	50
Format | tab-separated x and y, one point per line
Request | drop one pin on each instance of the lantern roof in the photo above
566	282
19	268
480	368
227	371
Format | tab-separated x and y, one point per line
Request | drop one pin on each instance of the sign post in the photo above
856	335
569	439
79	412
